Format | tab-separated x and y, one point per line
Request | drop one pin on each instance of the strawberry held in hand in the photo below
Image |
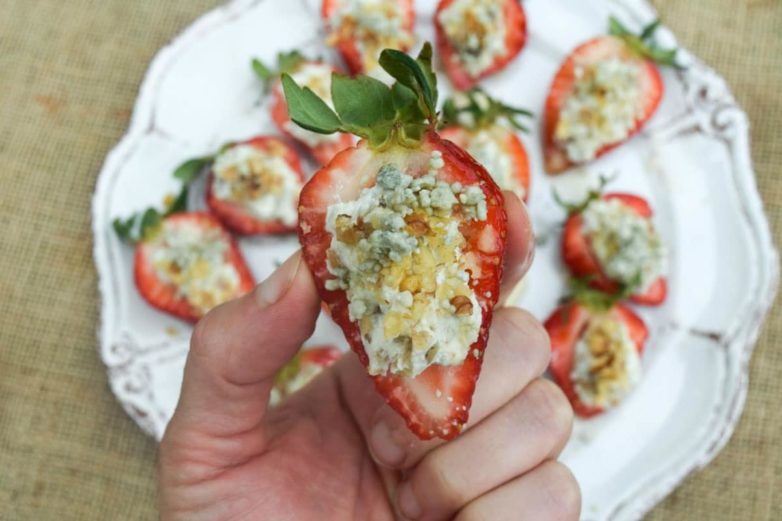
405	235
361	29
477	38
611	242
472	121
316	76
301	370
595	354
185	263
602	95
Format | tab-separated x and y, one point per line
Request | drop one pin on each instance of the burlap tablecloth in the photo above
69	73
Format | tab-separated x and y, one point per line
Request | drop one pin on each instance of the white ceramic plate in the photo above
692	161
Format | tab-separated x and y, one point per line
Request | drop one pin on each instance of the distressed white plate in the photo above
692	161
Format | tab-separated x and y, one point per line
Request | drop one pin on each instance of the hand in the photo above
334	450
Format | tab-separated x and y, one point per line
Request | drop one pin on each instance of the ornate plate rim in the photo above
723	115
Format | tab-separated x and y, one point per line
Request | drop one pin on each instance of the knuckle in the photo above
550	407
563	495
449	485
530	335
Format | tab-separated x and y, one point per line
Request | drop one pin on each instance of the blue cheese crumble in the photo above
606	363
627	245
397	252
602	109
192	259
476	29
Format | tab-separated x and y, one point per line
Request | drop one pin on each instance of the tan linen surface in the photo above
69	73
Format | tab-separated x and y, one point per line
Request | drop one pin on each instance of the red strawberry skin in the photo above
163	296
236	218
516	37
279	112
578	256
427	412
322	356
348	48
513	147
565	326
601	48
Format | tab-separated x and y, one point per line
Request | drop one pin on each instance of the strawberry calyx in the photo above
475	109
384	116
287	62
144	225
643	43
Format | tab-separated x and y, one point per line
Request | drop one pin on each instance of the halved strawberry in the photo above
191	230
360	44
627	48
511	15
473	121
565	327
302	369
579	258
434	399
235	210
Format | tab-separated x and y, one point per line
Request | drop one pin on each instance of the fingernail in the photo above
276	285
385	449
408	503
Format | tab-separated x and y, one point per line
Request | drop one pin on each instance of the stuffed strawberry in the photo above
360	29
405	235
602	95
595	354
301	370
477	38
316	76
472	121
185	263
252	186
611	242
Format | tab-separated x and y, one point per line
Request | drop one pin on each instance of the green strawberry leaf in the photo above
362	102
307	110
643	44
415	74
287	62
263	72
190	169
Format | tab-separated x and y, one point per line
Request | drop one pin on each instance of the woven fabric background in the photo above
69	73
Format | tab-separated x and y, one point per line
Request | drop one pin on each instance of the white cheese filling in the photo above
261	181
602	109
606	364
192	259
316	76
488	148
305	374
626	245
476	29
374	25
397	252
